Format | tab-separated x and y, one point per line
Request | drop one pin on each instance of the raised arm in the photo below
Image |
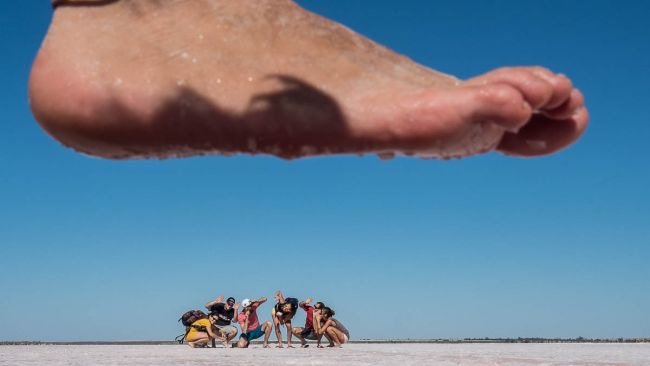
304	304
261	300
244	323
234	318
279	297
214	302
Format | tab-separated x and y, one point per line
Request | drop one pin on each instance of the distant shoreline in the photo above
358	341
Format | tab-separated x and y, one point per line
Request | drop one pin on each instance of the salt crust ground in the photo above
355	354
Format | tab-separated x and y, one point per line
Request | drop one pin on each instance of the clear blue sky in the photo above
484	247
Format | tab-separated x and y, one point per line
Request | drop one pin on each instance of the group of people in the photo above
218	324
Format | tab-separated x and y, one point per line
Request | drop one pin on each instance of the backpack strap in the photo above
199	328
181	338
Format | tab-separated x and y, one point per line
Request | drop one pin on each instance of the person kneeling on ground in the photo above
250	324
222	315
282	313
333	327
308	331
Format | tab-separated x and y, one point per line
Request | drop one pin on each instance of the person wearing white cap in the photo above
250	325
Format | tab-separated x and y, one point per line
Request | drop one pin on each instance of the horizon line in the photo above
357	341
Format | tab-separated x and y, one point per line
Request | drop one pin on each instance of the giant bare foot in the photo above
164	78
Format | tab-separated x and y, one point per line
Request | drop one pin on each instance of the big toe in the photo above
497	103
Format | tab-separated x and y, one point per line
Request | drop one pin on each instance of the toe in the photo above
575	101
543	135
501	104
535	89
562	86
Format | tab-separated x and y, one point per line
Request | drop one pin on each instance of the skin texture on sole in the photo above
164	78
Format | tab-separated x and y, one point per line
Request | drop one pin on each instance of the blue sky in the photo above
490	246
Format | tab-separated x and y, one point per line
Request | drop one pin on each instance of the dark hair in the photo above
329	312
230	299
292	306
320	305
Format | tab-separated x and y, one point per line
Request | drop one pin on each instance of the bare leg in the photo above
200	339
162	78
330	339
266	327
289	334
336	336
298	333
229	336
278	332
242	343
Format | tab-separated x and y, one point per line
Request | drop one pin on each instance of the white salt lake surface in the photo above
353	354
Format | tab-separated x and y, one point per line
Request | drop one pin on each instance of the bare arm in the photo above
316	323
279	297
261	300
323	329
211	333
304	304
244	324
278	333
214	302
234	318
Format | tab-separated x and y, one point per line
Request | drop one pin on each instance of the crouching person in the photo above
200	333
308	331
250	324
332	328
282	313
222	315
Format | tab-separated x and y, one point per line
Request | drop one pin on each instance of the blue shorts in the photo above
253	334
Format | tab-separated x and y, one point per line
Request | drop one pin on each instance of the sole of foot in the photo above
161	79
